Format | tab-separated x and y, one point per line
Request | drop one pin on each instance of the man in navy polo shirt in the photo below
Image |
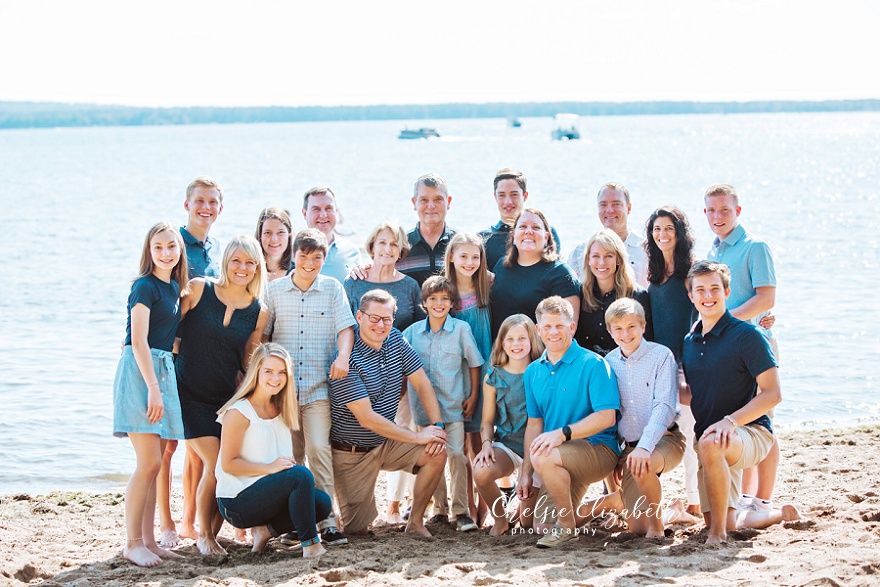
571	433
363	436
725	361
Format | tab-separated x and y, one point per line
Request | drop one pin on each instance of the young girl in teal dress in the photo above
146	407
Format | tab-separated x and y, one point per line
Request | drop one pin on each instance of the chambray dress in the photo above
129	388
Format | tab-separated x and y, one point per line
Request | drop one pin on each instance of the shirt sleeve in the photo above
409	357
563	282
341	310
350	388
756	352
353	303
761	266
576	260
533	410
143	292
602	386
663	404
416	293
270	307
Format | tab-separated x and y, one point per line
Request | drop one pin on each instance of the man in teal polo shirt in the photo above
571	434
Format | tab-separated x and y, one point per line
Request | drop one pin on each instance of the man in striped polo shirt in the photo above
363	436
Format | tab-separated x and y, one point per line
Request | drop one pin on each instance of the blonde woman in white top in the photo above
259	485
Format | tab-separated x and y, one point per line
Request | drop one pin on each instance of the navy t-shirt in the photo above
163	300
721	368
520	289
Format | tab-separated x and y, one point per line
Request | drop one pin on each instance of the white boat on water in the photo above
419	133
565	127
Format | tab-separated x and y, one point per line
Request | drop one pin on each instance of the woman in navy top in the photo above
222	324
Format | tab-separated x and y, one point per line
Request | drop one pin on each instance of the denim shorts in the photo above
130	397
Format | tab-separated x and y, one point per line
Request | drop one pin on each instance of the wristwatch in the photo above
566	430
440	425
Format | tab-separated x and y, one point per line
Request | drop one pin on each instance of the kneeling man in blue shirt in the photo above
571	432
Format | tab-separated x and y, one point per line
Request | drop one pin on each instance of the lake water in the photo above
77	202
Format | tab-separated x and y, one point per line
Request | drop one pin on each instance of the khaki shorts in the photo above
757	442
671	448
517	462
586	464
356	473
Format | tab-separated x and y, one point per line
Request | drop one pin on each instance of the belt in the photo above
350	447
634	444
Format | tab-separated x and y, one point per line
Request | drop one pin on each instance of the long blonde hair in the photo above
180	272
499	358
624	278
285	401
252	249
481	277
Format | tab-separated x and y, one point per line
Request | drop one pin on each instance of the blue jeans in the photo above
282	501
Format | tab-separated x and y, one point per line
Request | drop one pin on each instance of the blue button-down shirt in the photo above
447	355
648	385
203	258
721	367
579	384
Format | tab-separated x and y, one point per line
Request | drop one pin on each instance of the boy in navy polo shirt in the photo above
725	361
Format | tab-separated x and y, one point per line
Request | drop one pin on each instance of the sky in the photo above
289	52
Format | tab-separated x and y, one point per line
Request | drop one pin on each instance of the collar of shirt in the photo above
447	325
190	239
415	236
635	357
734	237
634	239
716	331
501	226
568	357
317	285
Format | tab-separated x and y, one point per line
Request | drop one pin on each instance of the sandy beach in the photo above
831	476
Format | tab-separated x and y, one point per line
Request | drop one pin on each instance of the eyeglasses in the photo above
375	318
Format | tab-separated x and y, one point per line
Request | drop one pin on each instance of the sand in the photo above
832	477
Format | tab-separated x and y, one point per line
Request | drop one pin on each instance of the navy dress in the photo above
211	355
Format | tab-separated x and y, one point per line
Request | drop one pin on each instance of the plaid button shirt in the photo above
306	324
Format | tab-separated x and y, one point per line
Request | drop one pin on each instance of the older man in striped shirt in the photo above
363	436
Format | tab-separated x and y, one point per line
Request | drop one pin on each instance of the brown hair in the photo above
708	268
439	284
283	217
309	241
480	277
180	272
548	254
508	173
499	358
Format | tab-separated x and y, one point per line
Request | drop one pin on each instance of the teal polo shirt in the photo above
203	258
579	384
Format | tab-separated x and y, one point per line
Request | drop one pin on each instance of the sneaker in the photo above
438	519
331	536
465	524
406	513
507	494
557	536
290	539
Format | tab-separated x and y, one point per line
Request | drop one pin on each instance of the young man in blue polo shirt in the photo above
571	432
725	361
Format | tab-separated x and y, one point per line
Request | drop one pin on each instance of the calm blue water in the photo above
77	202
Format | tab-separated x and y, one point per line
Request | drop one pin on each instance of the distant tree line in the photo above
42	115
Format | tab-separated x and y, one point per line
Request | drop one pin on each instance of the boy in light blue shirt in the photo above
452	361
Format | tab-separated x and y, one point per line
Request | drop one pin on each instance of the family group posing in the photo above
296	371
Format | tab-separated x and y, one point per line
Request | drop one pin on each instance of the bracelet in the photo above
156	383
485	441
731	420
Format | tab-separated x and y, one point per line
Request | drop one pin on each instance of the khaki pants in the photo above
671	448
311	446
356	474
456	462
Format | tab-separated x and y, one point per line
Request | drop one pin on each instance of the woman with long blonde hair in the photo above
607	277
259	484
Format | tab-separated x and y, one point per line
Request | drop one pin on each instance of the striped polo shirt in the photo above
377	375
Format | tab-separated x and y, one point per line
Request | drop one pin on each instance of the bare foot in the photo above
654	533
501	527
417	529
675	513
790	513
208	545
261	536
712	539
694	510
394	518
188	531
241	536
161	552
313	550
137	553
169	538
